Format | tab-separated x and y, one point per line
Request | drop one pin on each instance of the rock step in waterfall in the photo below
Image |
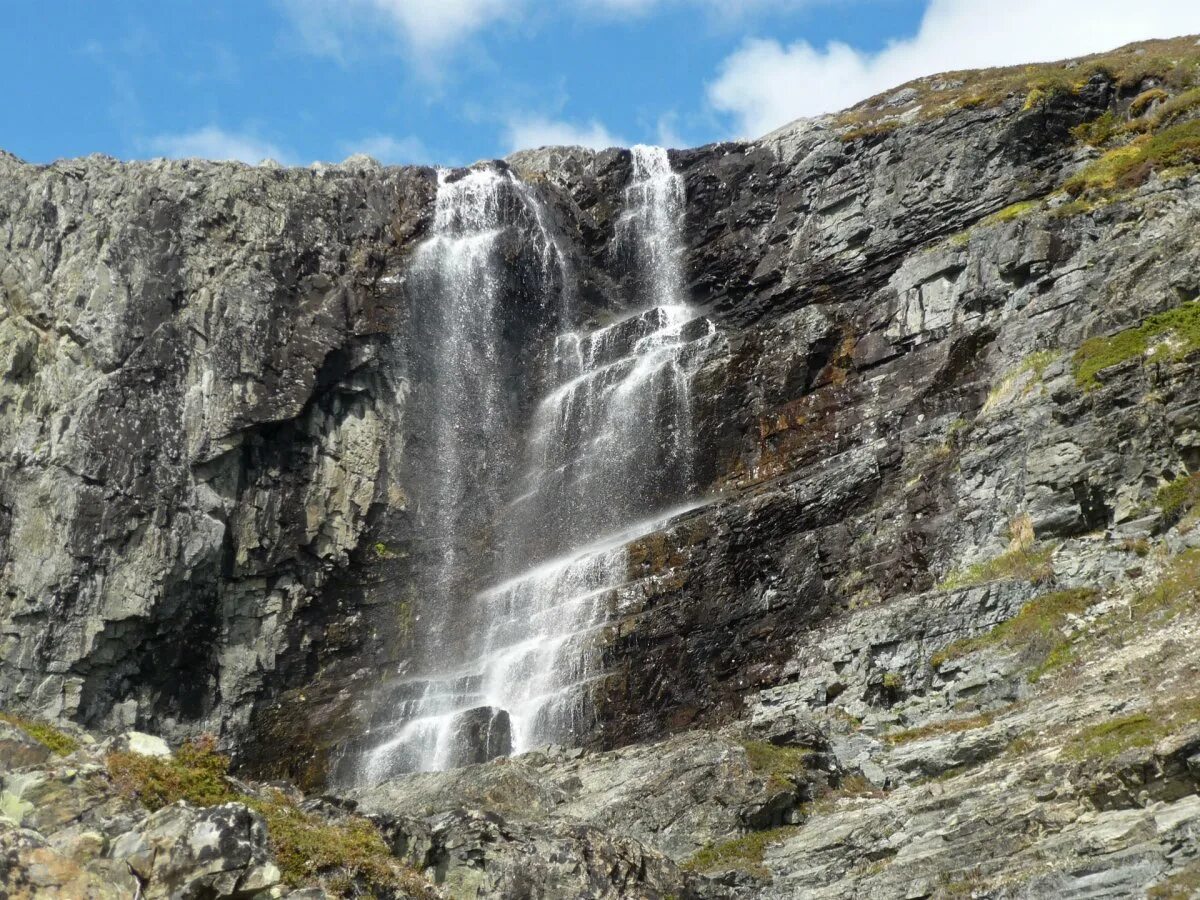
608	455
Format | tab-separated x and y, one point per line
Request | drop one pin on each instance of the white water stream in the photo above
609	446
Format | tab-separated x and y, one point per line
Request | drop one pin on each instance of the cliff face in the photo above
931	369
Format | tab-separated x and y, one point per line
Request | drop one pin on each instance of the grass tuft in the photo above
59	743
777	764
1169	335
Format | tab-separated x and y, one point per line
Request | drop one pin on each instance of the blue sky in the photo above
452	81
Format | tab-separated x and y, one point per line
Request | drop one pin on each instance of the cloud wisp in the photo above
538	131
765	84
213	142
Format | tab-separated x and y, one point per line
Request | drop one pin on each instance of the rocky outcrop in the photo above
933	610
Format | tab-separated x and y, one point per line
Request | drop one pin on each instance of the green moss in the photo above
893	681
1013	212
1128	167
59	742
1177	332
1035	630
744	854
1099	130
777	764
349	858
950	726
1179	496
1109	739
1018	564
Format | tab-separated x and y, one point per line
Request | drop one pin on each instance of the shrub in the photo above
1181	325
59	743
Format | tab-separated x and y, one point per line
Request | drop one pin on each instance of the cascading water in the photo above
609	445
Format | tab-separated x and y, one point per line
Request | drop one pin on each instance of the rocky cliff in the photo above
932	631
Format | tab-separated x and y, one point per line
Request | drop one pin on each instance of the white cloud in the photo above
426	27
764	85
212	142
538	131
388	150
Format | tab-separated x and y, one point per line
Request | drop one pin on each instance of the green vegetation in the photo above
1013	212
744	854
1036	630
1021	563
59	742
1128	167
1177	332
1173	62
776	764
876	129
1145	99
340	856
308	849
949	726
1099	130
1183	885
1178	590
196	773
893	682
1179	496
1109	739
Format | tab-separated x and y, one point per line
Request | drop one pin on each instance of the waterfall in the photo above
608	453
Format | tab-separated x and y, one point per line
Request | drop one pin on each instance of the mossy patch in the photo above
58	742
1011	213
743	854
1109	739
1176	592
949	726
347	858
1179	496
1169	335
1036	630
345	855
778	765
1030	564
1128	167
